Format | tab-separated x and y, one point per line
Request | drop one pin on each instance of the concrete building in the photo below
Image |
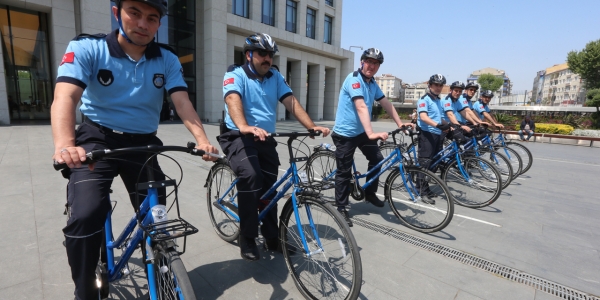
390	85
561	87
413	92
504	90
208	36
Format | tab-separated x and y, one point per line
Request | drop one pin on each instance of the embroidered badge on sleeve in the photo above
68	58
228	81
356	85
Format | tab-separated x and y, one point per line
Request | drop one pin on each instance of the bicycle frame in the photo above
445	154
290	178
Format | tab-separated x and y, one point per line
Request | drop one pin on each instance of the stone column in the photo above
4	107
332	93
281	62
215	58
298	82
316	90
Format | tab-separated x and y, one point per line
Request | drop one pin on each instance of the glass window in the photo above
240	8
268	12
311	20
329	2
290	16
327	35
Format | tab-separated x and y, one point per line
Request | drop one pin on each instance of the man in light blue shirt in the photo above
353	128
482	109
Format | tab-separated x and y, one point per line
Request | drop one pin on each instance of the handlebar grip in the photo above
198	152
60	166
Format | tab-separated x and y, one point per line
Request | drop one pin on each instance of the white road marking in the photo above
568	162
456	215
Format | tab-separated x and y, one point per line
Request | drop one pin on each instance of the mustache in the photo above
266	63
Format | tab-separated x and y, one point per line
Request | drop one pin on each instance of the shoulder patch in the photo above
422	105
447	104
228	81
232	67
355	74
165	46
356	85
87	35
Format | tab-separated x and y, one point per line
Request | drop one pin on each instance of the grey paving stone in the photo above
31	289
462	295
539	295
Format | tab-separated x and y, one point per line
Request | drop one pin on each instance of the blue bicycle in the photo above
155	233
418	197
318	247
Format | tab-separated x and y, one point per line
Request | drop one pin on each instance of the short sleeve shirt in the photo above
480	108
456	106
259	98
464	98
432	105
120	93
355	87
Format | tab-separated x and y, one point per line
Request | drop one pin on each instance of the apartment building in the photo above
208	36
561	87
390	85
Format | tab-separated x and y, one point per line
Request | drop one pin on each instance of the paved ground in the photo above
544	224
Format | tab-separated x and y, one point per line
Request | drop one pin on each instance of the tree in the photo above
593	99
586	63
490	82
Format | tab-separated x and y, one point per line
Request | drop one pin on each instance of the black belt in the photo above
116	132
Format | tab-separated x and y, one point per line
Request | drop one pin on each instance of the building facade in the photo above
208	36
506	87
561	87
414	92
390	85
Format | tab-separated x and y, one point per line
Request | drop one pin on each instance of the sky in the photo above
454	38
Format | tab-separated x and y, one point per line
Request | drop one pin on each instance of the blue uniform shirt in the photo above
480	108
355	87
456	106
120	93
463	98
259	98
432	105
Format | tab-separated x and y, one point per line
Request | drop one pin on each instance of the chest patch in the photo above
158	80
105	77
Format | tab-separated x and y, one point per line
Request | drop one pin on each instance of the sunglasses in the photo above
263	53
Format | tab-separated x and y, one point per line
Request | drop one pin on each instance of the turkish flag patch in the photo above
465	102
422	105
228	81
356	85
68	58
447	104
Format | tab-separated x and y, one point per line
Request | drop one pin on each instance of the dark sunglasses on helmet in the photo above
263	53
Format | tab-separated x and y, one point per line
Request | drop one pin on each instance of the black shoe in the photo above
248	248
275	245
346	215
372	198
428	196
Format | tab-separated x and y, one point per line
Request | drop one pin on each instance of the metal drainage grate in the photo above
478	262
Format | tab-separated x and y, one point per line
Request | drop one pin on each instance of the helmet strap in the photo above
122	32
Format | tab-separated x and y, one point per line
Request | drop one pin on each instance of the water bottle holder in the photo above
169	230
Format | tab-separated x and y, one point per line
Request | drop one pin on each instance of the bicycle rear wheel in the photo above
222	206
172	280
424	207
515	160
333	269
501	163
524	153
386	149
320	167
482	187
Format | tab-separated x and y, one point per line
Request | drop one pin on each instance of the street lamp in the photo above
350	48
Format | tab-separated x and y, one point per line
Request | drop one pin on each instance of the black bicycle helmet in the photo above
260	41
457	84
437	78
373	53
472	85
487	93
160	5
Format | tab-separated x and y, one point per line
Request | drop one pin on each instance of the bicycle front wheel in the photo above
222	202
480	184
320	168
501	163
172	280
331	267
419	198
525	154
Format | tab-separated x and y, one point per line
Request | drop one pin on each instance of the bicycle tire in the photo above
386	149
515	159
219	180
502	164
172	280
334	269
418	214
524	153
319	167
484	187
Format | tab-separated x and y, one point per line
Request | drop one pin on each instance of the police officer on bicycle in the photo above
433	127
353	128
455	110
120	79
471	117
251	93
483	110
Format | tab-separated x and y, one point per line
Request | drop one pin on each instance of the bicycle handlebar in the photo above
97	155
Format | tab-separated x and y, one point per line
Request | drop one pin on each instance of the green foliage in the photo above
587	63
593	99
490	82
553	128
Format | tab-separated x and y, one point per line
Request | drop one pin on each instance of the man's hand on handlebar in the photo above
259	133
71	156
324	130
208	148
378	135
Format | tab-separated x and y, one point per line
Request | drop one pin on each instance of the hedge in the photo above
553	128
